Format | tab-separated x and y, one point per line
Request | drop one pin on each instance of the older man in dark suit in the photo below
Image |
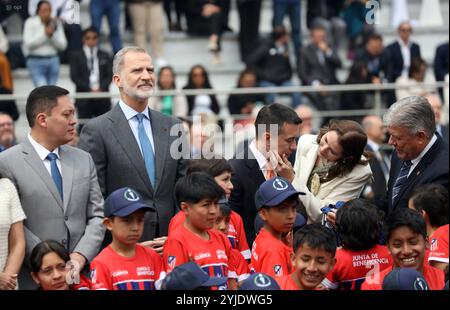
132	145
420	155
264	158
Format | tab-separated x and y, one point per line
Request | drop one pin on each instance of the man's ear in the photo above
41	120
117	80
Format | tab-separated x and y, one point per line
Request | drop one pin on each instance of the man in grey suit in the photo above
57	183
132	145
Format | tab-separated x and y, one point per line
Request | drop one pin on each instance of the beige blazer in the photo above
343	188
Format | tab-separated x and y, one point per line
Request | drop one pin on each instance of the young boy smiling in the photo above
124	264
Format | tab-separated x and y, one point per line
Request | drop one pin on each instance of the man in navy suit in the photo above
420	156
401	52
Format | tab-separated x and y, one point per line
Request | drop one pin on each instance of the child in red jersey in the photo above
276	201
406	242
358	223
198	194
124	264
431	201
221	171
314	257
50	268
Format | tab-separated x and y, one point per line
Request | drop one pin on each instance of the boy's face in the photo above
280	218
222	223
127	230
311	265
203	214
224	181
407	248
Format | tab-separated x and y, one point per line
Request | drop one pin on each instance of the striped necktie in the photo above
401	178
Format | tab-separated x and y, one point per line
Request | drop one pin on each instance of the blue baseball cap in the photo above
259	282
405	279
190	276
124	201
273	192
300	221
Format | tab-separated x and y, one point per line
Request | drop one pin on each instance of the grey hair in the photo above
120	55
413	113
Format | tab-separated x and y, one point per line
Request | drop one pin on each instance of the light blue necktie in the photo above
401	179
56	175
147	150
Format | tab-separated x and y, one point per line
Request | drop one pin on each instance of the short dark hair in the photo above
42	100
359	224
213	167
405	217
433	199
316	236
90	29
197	186
42	249
278	114
375	36
41	3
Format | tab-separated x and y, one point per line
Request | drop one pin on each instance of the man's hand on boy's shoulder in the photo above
156	244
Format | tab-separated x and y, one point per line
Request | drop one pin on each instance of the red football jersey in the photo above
211	255
439	245
286	283
111	271
434	277
239	268
236	232
351	267
270	255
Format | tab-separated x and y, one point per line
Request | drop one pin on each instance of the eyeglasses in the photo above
405	29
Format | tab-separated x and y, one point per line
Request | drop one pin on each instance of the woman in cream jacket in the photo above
331	166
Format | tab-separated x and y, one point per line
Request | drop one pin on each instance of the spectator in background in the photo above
204	17
147	17
380	163
6	81
179	11
401	53
436	104
317	66
91	70
413	82
270	61
200	104
281	8
356	99
249	16
306	114
43	38
66	11
110	8
441	62
327	14
244	104
169	105
7	134
374	57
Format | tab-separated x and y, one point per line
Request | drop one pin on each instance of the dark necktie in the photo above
401	178
147	150
91	60
56	175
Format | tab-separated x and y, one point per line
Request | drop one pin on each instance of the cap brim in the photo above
215	281
133	208
282	197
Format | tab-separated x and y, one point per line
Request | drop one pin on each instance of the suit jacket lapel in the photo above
121	129
160	132
67	175
255	172
32	159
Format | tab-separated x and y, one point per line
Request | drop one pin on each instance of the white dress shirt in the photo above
43	152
